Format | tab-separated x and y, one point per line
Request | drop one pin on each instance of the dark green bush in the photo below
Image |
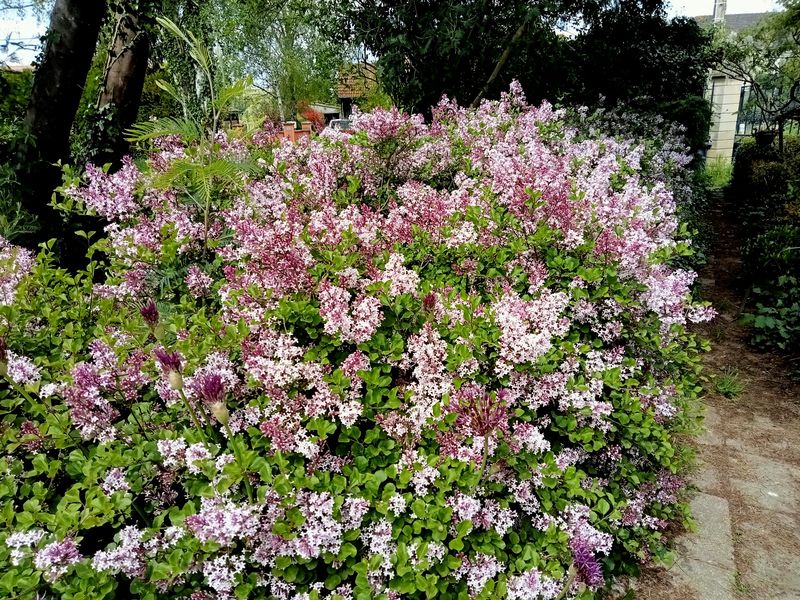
766	189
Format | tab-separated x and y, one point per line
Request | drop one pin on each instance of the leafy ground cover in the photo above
445	360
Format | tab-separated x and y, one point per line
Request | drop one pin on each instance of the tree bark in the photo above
123	80
55	96
59	80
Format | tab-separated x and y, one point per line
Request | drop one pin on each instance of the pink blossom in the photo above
477	571
221	574
127	557
198	282
222	522
401	280
21	542
22	370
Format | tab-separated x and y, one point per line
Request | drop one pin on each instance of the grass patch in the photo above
719	172
729	383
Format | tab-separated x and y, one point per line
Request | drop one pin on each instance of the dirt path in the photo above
747	542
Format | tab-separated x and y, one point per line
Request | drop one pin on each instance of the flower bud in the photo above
149	314
175	380
220	412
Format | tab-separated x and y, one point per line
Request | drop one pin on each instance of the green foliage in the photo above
155	103
15	89
16	223
221	97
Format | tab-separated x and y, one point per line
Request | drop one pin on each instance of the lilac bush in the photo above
416	360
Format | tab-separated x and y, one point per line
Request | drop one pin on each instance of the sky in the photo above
29	29
694	8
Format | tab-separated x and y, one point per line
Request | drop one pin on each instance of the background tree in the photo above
124	72
629	52
426	48
620	50
767	58
287	49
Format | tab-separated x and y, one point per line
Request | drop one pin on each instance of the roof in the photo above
16	67
735	22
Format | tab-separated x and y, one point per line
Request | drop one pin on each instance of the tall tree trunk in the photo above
123	80
55	96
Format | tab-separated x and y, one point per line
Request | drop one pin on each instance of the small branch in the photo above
503	59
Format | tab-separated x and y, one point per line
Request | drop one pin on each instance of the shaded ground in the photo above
747	542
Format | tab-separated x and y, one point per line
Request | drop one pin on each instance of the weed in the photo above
740	585
719	172
729	383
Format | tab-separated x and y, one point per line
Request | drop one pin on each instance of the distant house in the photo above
15	68
355	81
728	96
328	111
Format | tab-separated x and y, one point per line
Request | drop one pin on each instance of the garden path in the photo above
746	545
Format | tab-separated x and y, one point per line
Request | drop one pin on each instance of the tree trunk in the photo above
123	81
55	96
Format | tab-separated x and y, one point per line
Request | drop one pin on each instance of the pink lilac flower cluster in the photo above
21	542
128	557
94	382
441	339
21	369
115	481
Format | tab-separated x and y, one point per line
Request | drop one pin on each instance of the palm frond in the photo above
148	130
234	91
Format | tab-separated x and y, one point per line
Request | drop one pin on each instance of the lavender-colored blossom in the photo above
195	453
589	569
55	559
15	263
478	570
115	481
172	451
198	282
221	574
223	522
128	557
353	511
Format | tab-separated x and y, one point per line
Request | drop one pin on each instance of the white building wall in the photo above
724	93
